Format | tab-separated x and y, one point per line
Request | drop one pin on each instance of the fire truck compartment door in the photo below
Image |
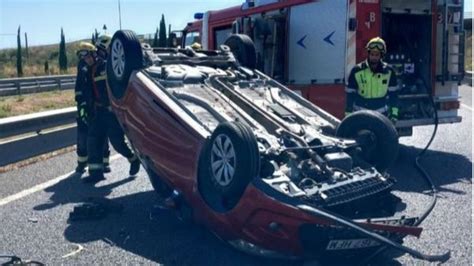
317	41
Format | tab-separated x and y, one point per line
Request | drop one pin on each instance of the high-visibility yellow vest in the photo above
372	85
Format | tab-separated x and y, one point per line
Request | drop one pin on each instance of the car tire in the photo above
243	49
124	57
375	134
228	163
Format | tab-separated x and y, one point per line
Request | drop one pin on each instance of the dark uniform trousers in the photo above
82	137
105	124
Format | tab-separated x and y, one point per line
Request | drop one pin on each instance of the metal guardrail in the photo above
25	136
18	86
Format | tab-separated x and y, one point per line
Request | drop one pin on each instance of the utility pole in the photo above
120	15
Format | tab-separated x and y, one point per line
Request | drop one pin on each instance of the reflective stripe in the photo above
78	93
99	78
380	110
394	88
105	160
95	166
394	111
350	90
82	159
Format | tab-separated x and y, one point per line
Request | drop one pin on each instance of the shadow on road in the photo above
140	227
444	168
157	235
73	190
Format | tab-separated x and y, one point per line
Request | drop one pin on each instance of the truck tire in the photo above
375	134
124	57
243	49
228	163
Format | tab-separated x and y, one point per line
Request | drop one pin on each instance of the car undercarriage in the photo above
259	139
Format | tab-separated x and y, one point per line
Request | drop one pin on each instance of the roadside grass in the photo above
37	102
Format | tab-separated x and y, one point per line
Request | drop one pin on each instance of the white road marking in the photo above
467	107
41	186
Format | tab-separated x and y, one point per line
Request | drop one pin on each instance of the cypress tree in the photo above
62	53
27	53
162	38
170	39
19	66
155	39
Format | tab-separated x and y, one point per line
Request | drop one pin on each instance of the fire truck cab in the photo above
311	46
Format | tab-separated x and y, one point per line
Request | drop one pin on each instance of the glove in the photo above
82	111
393	114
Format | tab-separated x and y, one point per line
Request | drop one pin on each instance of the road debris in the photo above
79	249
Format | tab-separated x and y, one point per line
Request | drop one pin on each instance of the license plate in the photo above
351	244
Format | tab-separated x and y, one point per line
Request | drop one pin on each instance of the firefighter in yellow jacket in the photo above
372	84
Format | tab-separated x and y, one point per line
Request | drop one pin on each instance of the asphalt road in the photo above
35	225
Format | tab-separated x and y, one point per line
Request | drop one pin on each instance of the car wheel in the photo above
243	49
125	56
375	134
228	163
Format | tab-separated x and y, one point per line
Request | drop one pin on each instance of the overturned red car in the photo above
264	169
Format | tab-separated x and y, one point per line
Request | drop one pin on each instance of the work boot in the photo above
134	167
81	167
94	177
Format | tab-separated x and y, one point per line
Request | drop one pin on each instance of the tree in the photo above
27	53
19	66
93	39
155	39
62	53
46	67
170	37
162	38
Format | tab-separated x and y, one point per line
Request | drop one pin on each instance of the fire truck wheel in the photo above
375	134
125	56
243	49
228	162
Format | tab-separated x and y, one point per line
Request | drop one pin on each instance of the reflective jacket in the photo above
374	90
99	84
82	89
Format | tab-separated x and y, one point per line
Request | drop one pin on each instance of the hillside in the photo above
38	55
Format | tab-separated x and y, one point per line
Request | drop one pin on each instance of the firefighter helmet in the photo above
85	48
103	42
377	43
196	46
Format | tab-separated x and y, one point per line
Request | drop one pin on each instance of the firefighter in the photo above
372	84
103	122
196	46
82	88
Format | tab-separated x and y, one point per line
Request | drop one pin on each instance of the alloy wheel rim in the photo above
223	160
118	58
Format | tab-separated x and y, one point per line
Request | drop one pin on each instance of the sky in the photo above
42	19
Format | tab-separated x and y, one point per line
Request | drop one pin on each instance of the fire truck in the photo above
311	46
